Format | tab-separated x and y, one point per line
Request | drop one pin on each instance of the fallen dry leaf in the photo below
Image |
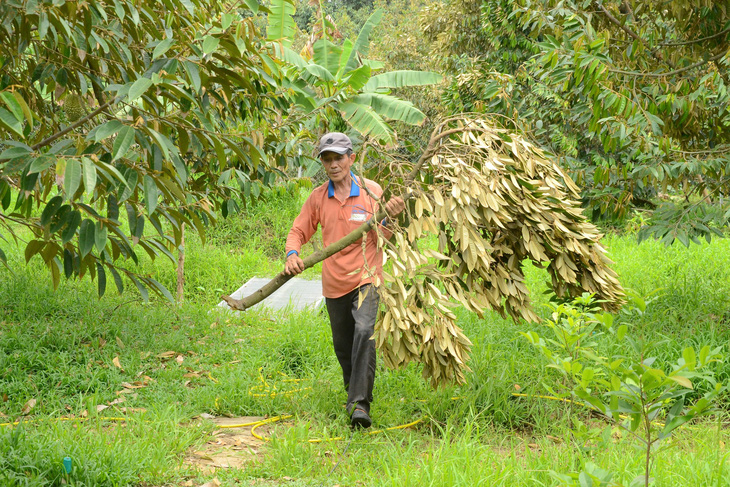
213	483
179	359
135	385
117	363
166	355
132	410
207	416
28	406
120	343
203	455
118	400
100	407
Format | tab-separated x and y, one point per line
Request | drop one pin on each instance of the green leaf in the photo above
151	193
50	210
364	119
71	178
704	354
86	237
105	130
319	72
3	258
43	25
253	5
74	220
690	359
14	152
399	79
138	88
117	280
101	279
142	290
161	289
210	44
327	55
12	104
124	140
290	56
68	263
362	42
89	176
359	77
33	247
41	163
100	237
391	107
194	74
281	26
189	6
162	48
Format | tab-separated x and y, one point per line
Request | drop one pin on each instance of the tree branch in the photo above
633	34
355	235
668	73
68	129
696	41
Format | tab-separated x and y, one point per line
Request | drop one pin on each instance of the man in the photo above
340	206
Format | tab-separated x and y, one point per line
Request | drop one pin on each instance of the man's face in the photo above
337	166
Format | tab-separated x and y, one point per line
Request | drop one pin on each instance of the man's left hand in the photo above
395	206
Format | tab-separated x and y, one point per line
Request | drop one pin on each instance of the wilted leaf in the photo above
116	362
30	404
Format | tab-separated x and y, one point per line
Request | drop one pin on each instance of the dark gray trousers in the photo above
352	330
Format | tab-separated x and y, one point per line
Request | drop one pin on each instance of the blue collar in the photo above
354	188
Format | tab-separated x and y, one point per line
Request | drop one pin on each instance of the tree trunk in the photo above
181	265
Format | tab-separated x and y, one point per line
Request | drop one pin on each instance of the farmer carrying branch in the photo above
340	206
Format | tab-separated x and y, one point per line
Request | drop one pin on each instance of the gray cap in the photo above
334	142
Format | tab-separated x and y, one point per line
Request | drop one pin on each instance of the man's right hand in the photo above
294	265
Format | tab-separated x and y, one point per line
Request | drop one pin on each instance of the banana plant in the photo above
340	77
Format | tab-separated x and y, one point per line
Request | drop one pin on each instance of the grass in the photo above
71	352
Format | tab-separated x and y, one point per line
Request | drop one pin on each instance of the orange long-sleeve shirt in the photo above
349	268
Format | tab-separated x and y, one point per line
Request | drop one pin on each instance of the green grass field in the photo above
157	368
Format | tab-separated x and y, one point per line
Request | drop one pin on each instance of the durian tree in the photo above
123	122
631	95
119	116
483	202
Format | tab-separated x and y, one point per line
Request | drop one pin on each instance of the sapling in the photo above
646	399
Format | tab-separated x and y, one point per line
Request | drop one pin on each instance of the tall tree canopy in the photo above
120	115
156	113
631	96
